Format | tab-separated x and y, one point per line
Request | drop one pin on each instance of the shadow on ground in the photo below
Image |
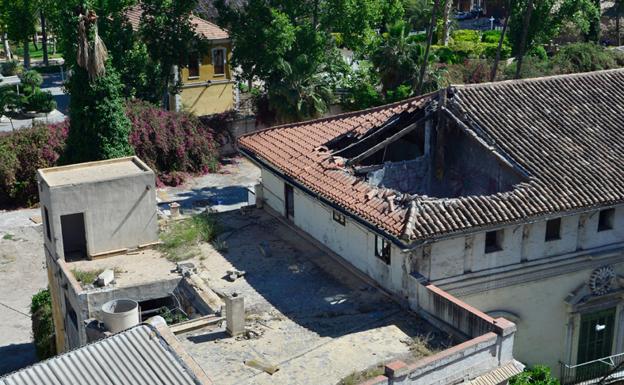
304	284
16	356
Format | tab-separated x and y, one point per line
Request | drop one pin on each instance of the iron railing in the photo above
601	371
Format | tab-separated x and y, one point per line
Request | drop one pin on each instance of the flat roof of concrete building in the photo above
91	172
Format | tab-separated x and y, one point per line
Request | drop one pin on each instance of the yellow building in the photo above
207	84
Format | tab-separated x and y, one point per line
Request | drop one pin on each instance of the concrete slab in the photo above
305	314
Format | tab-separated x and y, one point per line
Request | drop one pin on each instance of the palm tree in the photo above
297	95
397	57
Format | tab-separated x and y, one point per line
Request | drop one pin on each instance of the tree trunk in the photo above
27	54
523	40
7	47
44	38
618	16
446	27
500	44
34	39
423	66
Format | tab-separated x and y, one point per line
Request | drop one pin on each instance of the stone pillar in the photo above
258	190
235	314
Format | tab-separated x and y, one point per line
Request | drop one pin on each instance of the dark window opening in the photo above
193	65
493	241
71	314
553	229
605	219
382	249
596	336
289	201
74	237
47	223
340	218
218	61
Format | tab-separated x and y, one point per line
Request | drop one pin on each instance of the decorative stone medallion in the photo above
601	280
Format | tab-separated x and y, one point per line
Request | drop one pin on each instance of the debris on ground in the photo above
233	275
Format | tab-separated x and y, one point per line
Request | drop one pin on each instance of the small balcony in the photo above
606	370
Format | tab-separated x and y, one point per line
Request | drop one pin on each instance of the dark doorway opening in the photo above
74	237
289	201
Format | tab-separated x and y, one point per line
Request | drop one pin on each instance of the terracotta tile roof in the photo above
202	27
566	132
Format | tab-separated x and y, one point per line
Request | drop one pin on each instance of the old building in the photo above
507	195
267	307
207	82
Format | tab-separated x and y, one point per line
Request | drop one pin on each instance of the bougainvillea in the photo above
175	145
21	154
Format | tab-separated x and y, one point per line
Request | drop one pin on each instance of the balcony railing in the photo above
601	371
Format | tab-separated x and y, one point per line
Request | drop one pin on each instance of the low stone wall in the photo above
489	343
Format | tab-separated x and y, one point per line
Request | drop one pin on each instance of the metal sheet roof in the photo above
138	356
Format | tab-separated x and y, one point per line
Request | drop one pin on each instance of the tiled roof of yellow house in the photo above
204	28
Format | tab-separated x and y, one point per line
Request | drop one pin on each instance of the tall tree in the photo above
425	61
523	39
501	41
446	22
21	15
99	128
170	36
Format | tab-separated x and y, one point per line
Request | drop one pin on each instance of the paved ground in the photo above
22	274
52	83
309	316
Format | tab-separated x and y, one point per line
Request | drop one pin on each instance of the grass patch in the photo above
8	237
359	377
180	239
34	53
86	277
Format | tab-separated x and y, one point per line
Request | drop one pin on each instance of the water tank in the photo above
120	314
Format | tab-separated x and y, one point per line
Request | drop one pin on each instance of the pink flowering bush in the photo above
21	154
174	144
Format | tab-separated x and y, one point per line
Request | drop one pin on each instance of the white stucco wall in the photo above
118	213
273	191
543	316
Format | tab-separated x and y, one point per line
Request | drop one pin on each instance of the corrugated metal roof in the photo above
499	375
138	356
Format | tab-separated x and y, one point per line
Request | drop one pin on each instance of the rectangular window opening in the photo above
493	241
47	223
605	219
553	230
382	249
289	201
193	65
218	61
340	218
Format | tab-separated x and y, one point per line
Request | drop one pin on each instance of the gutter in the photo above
261	163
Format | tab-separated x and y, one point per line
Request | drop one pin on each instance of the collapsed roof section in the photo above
464	158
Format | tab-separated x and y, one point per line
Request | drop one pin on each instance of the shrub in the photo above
493	36
447	55
466	35
21	154
538	375
43	324
11	68
466	49
361	96
489	50
401	92
180	239
39	101
532	67
539	52
584	57
174	144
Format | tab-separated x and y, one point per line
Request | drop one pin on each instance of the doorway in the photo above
74	237
289	201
